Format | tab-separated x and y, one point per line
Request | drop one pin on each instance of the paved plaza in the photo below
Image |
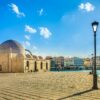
47	86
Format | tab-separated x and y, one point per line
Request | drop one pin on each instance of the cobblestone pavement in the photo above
48	86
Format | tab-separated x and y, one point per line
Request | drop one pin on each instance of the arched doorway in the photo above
35	66
41	65
27	65
46	66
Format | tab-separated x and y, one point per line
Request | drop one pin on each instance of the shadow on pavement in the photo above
76	94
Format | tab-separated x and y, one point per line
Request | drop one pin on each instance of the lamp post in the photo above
92	62
95	26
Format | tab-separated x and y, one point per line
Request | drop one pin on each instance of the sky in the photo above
51	27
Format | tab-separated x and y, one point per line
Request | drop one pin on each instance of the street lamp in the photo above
95	26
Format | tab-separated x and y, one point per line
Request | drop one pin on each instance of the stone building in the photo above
14	58
42	65
29	63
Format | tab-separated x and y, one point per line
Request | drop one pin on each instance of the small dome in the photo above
35	57
48	57
28	56
11	46
40	57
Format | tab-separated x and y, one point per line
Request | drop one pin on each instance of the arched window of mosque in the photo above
0	67
27	63
41	65
47	66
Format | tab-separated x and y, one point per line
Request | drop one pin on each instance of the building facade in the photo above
52	63
88	63
98	62
58	62
73	63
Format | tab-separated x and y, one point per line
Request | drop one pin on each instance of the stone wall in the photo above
11	62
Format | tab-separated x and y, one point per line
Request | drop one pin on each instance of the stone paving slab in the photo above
30	94
47	86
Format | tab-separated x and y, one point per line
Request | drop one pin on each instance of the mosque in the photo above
15	59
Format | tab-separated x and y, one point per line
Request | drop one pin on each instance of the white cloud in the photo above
35	48
87	7
26	44
45	32
31	47
27	37
15	9
41	12
30	29
82	6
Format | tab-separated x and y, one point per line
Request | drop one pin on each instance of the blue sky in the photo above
51	27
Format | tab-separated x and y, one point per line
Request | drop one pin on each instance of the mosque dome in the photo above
11	46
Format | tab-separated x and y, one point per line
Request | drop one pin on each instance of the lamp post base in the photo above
95	86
